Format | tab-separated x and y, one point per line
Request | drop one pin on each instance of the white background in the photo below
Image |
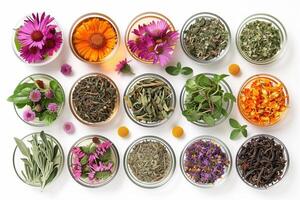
122	11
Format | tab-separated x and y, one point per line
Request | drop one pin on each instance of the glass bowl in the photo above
19	164
154	184
285	153
129	88
266	18
247	84
224	149
46	79
143	18
84	141
191	21
74	110
16	45
225	86
85	18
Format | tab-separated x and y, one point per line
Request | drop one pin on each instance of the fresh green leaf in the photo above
103	175
229	96
106	156
22	147
234	123
174	71
244	132
84	160
17	43
234	134
209	120
186	71
214	99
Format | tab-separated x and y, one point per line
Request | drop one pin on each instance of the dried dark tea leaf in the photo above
206	38
149	161
150	100
95	98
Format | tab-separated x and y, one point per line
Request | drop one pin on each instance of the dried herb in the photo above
93	162
237	129
260	40
94	98
149	161
42	160
175	70
206	38
205	100
205	162
150	100
261	161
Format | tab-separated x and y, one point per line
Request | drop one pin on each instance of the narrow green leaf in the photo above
22	147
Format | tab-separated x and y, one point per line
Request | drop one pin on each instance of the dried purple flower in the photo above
66	69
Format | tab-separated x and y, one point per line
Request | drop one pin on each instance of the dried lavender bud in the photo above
205	162
149	161
206	38
260	40
261	161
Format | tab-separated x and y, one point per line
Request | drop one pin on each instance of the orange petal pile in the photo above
263	102
94	39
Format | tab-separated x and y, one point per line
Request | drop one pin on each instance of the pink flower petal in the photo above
69	127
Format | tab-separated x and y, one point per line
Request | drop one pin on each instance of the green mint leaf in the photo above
174	71
214	99
178	65
186	71
244	132
234	134
209	120
203	80
229	96
234	123
199	99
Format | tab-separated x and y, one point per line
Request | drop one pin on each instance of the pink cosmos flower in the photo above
35	95
28	115
52	107
69	127
31	54
49	94
66	69
33	32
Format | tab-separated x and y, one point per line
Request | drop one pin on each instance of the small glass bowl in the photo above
87	17
267	18
114	112
48	59
132	84
225	86
115	158
191	21
143	18
19	164
247	84
46	78
156	184
285	152
224	149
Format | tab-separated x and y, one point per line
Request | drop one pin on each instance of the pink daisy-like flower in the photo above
123	66
66	69
76	171
69	127
163	53
157	29
49	94
33	32
52	43
52	107
28	115
35	95
31	54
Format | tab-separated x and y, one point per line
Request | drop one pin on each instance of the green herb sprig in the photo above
178	69
205	99
237	129
42	161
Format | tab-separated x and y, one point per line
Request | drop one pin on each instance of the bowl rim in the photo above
286	153
229	106
164	180
61	107
189	21
249	81
132	83
60	149
100	16
276	23
134	21
114	149
117	104
223	147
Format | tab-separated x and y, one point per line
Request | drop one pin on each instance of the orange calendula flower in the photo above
94	39
263	101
